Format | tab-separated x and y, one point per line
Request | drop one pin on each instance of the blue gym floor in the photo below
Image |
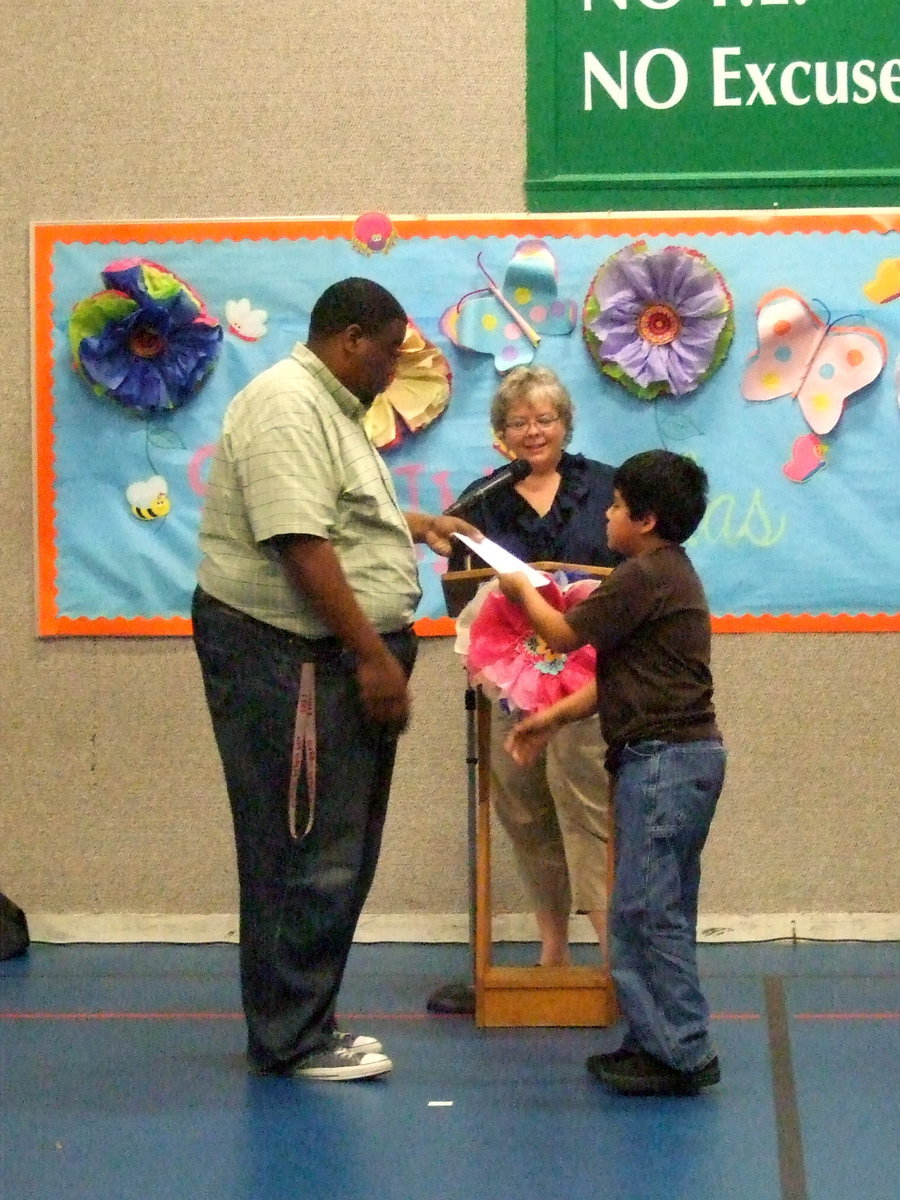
122	1076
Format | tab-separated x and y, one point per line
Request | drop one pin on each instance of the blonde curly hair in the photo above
532	384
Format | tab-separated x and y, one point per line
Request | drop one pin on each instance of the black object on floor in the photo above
455	999
14	939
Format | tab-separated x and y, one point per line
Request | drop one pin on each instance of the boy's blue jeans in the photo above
664	800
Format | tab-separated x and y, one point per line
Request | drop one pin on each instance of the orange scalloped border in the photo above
45	235
808	623
446	627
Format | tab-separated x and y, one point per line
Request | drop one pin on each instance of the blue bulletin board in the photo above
802	528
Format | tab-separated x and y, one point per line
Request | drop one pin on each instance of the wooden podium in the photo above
520	996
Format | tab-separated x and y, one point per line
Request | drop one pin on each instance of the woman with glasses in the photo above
553	811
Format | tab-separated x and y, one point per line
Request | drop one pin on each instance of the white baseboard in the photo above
454	927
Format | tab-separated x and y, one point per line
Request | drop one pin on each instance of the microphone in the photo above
504	477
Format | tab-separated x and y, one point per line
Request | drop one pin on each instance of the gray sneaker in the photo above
339	1064
360	1042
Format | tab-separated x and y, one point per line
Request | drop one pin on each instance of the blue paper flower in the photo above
146	341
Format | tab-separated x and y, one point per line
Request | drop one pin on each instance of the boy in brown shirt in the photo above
650	624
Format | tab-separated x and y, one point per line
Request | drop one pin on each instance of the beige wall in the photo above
110	797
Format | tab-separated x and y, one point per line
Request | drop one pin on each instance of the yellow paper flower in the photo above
417	395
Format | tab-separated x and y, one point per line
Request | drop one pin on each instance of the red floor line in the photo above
120	1016
838	1016
235	1016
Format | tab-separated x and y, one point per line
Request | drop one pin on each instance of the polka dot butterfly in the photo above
509	321
818	363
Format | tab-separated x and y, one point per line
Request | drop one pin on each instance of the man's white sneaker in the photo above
339	1064
360	1042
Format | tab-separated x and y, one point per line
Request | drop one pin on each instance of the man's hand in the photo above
313	569
384	689
438	536
436	532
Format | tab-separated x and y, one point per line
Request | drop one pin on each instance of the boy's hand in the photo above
515	585
526	740
546	620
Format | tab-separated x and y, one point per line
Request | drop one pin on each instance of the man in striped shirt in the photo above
302	623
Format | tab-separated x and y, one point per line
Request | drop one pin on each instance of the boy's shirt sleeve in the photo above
611	613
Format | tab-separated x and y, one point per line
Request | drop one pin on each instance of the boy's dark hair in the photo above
668	486
353	301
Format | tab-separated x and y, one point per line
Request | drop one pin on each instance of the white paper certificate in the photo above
501	560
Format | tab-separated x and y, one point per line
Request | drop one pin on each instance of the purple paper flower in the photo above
147	341
658	323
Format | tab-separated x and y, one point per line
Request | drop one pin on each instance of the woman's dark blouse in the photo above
573	531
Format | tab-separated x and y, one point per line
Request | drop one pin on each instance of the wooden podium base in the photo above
548	996
525	996
518	996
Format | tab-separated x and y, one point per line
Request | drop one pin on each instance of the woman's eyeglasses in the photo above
542	422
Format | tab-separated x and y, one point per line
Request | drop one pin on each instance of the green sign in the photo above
679	104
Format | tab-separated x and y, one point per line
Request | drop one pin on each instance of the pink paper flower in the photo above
505	656
373	233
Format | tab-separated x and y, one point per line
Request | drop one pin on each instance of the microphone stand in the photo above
458	998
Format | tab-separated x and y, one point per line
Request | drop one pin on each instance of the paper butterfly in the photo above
509	322
886	284
818	363
807	456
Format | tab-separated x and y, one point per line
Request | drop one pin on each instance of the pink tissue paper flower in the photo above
511	662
